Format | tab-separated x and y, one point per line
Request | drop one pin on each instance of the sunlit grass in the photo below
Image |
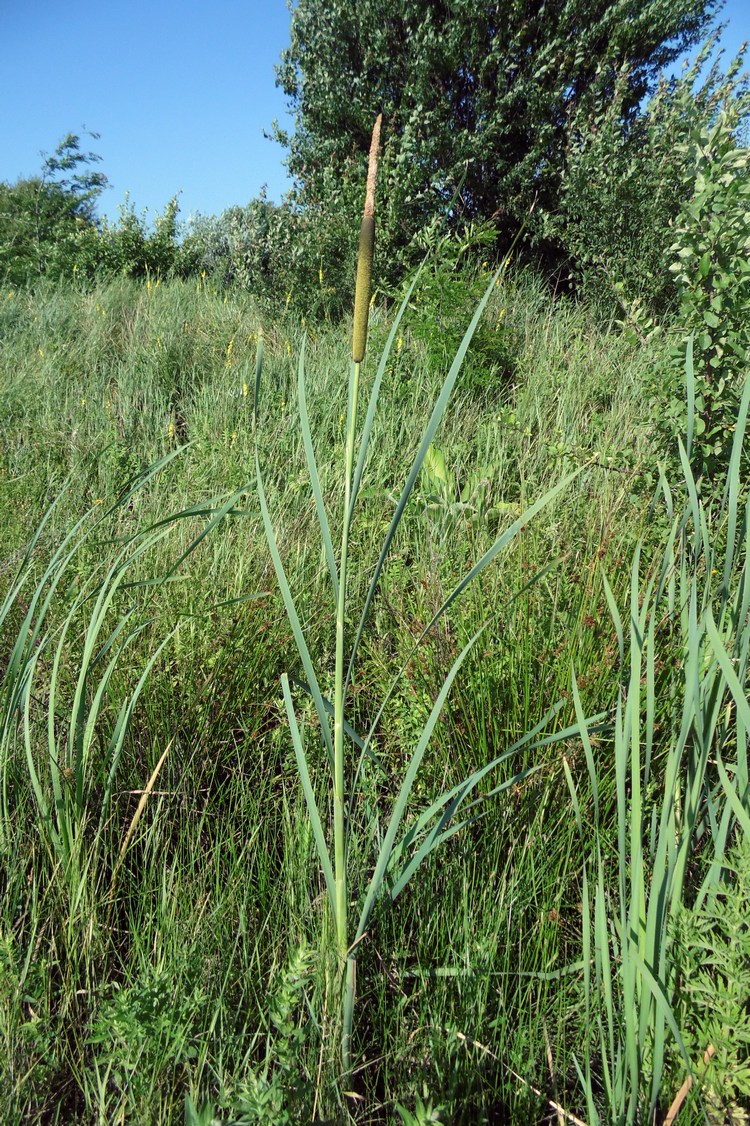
188	964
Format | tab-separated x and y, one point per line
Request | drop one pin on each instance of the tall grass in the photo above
187	962
680	746
71	745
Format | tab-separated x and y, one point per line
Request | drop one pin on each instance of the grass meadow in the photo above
165	932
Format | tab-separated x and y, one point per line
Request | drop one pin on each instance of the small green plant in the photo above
278	1092
712	1000
140	1033
202	1115
446	500
399	852
424	1112
450	285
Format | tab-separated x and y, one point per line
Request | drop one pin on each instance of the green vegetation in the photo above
164	899
41	217
476	95
448	823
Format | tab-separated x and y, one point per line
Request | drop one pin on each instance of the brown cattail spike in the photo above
366	249
372	168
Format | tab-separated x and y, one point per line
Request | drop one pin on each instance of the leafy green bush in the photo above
712	950
129	247
666	200
711	266
627	178
450	285
49	228
236	246
287	254
42	217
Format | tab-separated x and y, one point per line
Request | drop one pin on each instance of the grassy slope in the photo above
194	970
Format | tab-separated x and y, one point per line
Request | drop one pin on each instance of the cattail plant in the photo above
400	851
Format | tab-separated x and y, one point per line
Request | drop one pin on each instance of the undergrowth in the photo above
173	972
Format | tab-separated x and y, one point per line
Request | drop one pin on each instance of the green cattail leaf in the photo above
362	291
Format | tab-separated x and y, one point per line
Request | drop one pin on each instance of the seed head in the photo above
366	249
362	292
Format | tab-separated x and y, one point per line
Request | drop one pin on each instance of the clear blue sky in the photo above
180	93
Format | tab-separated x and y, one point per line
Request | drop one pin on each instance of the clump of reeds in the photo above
676	818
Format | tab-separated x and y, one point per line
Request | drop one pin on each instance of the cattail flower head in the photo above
366	250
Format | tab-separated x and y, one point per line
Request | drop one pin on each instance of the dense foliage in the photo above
711	266
477	95
625	182
41	216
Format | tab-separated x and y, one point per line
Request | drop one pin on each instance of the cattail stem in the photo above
361	309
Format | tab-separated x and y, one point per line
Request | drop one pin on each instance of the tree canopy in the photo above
479	91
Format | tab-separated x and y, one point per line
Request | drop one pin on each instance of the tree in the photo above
69	170
479	91
39	215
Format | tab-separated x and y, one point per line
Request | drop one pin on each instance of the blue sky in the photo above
180	93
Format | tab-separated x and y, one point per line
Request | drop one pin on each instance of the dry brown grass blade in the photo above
550	1065
137	816
562	1113
684	1091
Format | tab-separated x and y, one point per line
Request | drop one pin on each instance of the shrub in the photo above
711	266
284	253
627	179
712	951
127	247
42	217
450	285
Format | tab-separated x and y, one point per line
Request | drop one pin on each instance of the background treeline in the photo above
556	118
555	121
